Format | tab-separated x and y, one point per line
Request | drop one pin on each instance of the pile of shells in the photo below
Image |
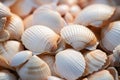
59	40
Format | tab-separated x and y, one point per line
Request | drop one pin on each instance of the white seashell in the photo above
93	13
8	3
53	78
95	60
40	39
49	18
68	18
20	58
9	48
79	37
70	64
15	27
6	75
110	36
34	69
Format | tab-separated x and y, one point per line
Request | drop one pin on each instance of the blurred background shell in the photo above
8	3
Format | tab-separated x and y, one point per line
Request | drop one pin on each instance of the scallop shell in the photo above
6	75
8	3
70	64
9	48
40	39
4	11
15	27
93	13
20	58
95	60
34	69
79	37
110	36
49	18
53	78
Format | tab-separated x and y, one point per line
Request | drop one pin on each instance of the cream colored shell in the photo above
70	64
40	39
79	37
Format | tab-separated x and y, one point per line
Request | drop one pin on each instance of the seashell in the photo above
4	11
6	75
40	39
68	18
63	9
79	37
68	2
8	3
101	12
53	78
83	3
20	58
15	27
49	18
21	7
7	50
95	60
34	69
28	21
110	36
70	64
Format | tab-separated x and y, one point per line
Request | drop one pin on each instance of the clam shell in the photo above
49	18
34	69
110	36
15	27
93	13
95	60
53	78
7	50
20	58
79	37
6	75
40	39
70	64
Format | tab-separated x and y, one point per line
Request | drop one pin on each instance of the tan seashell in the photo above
49	18
15	27
43	2
70	64
68	18
53	78
20	58
9	48
8	3
40	39
68	2
95	60
4	11
110	36
28	21
101	12
34	69
6	75
79	37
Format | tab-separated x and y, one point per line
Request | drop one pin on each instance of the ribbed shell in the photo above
70	64
111	36
53	78
40	39
9	48
49	18
79	37
95	60
93	13
6	75
34	69
20	58
15	27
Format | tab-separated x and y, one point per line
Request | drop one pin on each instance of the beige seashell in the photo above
6	75
79	37
70	64
68	2
28	21
9	48
43	2
101	12
8	3
53	78
15	27
68	18
34	69
40	39
110	36
63	9
49	18
95	60
20	58
4	11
